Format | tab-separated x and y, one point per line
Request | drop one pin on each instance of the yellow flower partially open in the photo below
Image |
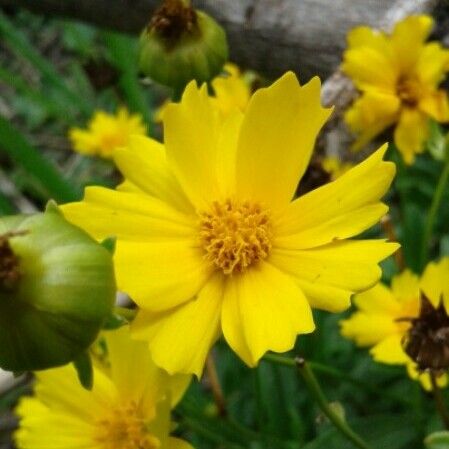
383	316
209	240
398	76
128	408
106	132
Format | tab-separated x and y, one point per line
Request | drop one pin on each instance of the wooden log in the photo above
270	36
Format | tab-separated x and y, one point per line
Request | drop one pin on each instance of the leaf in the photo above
83	366
437	440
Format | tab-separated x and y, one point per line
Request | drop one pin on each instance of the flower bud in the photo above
57	288
181	44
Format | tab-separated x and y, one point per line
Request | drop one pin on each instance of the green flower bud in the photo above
57	288
181	44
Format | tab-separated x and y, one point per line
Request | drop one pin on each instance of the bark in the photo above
270	36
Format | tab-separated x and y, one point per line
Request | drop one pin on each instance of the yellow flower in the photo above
128	407
106	132
336	167
209	240
231	90
398	76
383	316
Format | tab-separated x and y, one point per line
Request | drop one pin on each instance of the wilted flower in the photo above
106	132
128	407
209	239
398	76
390	320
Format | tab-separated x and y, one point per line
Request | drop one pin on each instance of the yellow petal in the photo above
160	275
146	385
128	215
337	210
368	60
433	64
143	163
436	105
191	130
405	286
377	300
424	378
368	329
273	311
408	39
181	338
411	133
348	265
45	428
390	351
277	138
371	114
434	282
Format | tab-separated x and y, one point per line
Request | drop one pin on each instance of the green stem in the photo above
434	207
334	418
333	372
439	400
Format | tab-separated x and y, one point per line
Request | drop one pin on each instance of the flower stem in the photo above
439	401
215	386
334	418
434	207
390	232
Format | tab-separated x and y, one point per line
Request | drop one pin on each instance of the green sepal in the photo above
437	440
114	321
84	369
109	244
52	207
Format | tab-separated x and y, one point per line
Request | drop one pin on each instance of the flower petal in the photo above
191	130
160	275
411	133
273	311
378	300
127	215
371	114
405	286
143	163
390	351
408	38
436	105
181	338
369	60
337	210
434	282
368	329
433	64
349	265
277	138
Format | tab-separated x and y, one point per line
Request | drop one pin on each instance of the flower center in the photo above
124	428
235	235
408	90
9	265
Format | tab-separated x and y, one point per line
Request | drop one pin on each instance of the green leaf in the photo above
109	244
436	144
437	440
84	369
17	147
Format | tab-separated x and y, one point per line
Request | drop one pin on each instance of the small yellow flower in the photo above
398	76
232	89
383	317
128	407
335	166
209	240
106	132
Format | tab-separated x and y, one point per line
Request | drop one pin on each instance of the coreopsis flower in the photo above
335	166
106	132
209	241
398	75
386	316
128	407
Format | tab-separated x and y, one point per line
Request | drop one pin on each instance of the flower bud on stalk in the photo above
180	44
57	288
